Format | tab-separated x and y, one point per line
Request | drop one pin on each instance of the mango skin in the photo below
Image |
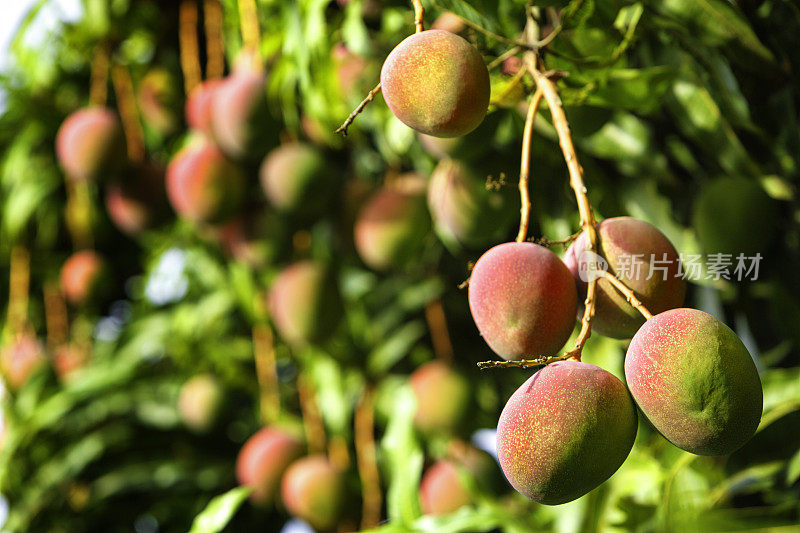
565	431
733	215
137	201
263	460
199	402
297	178
304	303
314	490
199	106
203	185
159	96
464	211
523	300
84	277
391	226
90	144
695	381
241	122
443	396
436	83
442	489
19	359
620	237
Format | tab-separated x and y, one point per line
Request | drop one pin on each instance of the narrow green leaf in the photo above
220	511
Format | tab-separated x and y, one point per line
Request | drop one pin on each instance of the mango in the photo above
565	431
443	397
304	303
695	381
314	490
84	277
635	251
297	178
90	144
199	402
436	83
391	226
262	461
137	200
203	185
523	300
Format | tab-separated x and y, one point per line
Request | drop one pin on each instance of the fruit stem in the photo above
419	12
189	49
364	428
215	44
525	363
437	323
248	21
55	315
346	124
266	372
18	288
98	86
576	182
126	103
312	419
627	293
514	50
525	165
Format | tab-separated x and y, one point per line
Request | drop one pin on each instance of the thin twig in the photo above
437	323
364	428
98	88
579	188
502	57
55	315
563	242
19	279
525	363
128	112
626	292
346	124
419	13
215	44
248	21
312	419
525	165
266	372
189	48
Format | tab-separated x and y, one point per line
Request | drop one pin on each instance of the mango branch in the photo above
215	44
189	48
525	165
576	182
364	429
357	111
437	324
128	112
541	360
419	12
98	87
626	292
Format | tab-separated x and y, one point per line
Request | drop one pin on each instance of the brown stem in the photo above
525	363
248	20
626	292
364	422
18	288
312	420
502	57
98	88
525	165
579	188
128	112
266	373
346	124
189	48
215	44
563	242
419	12
55	315
338	452
437	323
78	214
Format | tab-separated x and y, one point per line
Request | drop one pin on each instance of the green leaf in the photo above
577	13
404	457
220	511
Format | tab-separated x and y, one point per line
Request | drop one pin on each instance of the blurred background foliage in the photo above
665	99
